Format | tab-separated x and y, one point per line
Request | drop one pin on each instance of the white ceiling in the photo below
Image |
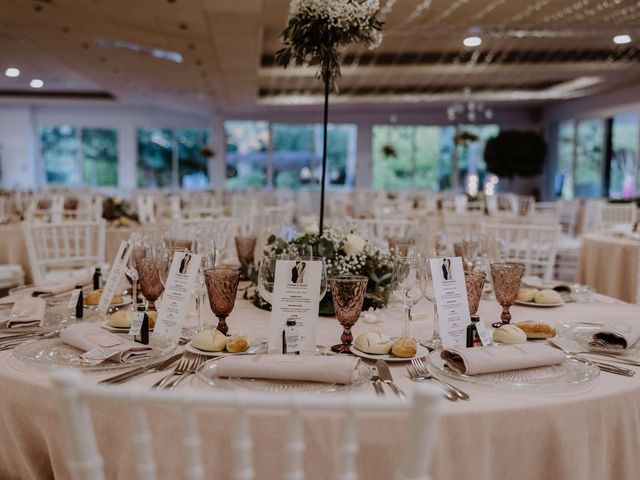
533	51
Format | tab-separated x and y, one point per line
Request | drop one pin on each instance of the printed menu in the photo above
116	273
295	305
176	297
451	299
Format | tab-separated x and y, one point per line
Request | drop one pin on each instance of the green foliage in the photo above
516	153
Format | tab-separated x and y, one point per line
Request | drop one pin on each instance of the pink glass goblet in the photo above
222	288
348	296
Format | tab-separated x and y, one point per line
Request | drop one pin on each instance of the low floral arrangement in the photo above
344	254
119	212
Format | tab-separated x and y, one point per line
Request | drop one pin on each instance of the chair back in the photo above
146	208
544	213
63	246
614	214
535	246
275	219
456	226
73	397
569	210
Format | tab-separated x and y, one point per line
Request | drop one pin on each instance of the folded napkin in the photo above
310	368
54	288
8	300
537	282
26	312
623	335
478	360
100	345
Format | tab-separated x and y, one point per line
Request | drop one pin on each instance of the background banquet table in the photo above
609	264
587	434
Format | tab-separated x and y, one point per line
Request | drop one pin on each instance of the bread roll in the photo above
548	297
376	343
93	298
117	299
404	347
121	319
527	294
209	340
536	329
237	343
509	334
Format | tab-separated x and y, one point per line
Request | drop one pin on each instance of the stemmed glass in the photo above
222	288
206	247
406	279
245	247
470	247
151	282
442	244
137	252
474	282
506	283
348	296
429	292
267	273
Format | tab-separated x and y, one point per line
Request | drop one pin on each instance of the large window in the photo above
589	156
73	156
295	158
565	154
624	156
432	157
172	158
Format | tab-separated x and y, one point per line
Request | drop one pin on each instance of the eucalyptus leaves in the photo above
318	29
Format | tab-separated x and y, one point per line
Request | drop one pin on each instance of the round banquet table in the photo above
609	264
589	433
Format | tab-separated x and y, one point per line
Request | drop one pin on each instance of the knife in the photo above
385	376
156	367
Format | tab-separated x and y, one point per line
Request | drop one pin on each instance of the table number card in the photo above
296	302
176	298
451	299
115	276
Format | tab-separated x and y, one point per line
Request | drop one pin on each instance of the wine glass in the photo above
406	279
149	269
442	244
429	292
266	277
138	251
204	246
245	248
470	247
348	296
222	288
506	283
474	281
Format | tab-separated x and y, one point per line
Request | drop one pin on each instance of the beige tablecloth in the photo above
589	434
610	265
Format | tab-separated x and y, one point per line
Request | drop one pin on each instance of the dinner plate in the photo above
553	378
534	304
52	353
576	336
206	376
254	347
126	300
27	291
55	316
110	328
389	357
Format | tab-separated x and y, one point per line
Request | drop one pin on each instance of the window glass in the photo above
193	161
100	157
246	144
60	155
341	154
565	153
393	154
155	154
624	156
296	160
589	152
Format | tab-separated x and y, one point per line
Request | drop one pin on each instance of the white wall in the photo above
17	150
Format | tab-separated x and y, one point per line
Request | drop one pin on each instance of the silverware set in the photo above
418	372
384	374
7	343
188	364
605	367
141	370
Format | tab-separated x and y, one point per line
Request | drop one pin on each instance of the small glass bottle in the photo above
143	336
292	338
79	303
473	337
97	278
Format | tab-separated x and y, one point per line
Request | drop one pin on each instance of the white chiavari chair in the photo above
613	214
146	207
365	227
11	276
276	219
544	213
245	209
526	204
569	210
592	216
393	229
74	398
338	209
57	249
535	246
221	229
491	202
5	208
385	208
456	226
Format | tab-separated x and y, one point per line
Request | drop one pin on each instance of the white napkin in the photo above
54	288
537	282
623	335
100	345
478	360
8	300
310	368
26	312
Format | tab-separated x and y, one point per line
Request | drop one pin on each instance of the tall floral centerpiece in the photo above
316	34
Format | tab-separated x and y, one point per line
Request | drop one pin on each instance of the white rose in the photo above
354	244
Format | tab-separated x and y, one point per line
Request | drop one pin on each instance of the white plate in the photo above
105	324
55	316
389	357
253	348
126	300
534	304
577	336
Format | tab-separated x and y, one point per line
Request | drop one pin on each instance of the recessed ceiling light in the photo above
621	39
472	41
12	72
36	83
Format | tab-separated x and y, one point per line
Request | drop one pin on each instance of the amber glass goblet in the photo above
150	280
506	283
475	283
222	287
245	247
348	296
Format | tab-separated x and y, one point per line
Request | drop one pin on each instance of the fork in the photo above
181	367
194	364
417	377
421	369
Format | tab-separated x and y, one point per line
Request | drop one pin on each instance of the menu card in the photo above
115	276
295	305
451	299
176	298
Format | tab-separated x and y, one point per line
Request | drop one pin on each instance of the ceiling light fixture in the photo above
36	83
472	41
12	72
468	109
621	39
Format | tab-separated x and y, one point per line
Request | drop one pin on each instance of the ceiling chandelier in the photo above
468	110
